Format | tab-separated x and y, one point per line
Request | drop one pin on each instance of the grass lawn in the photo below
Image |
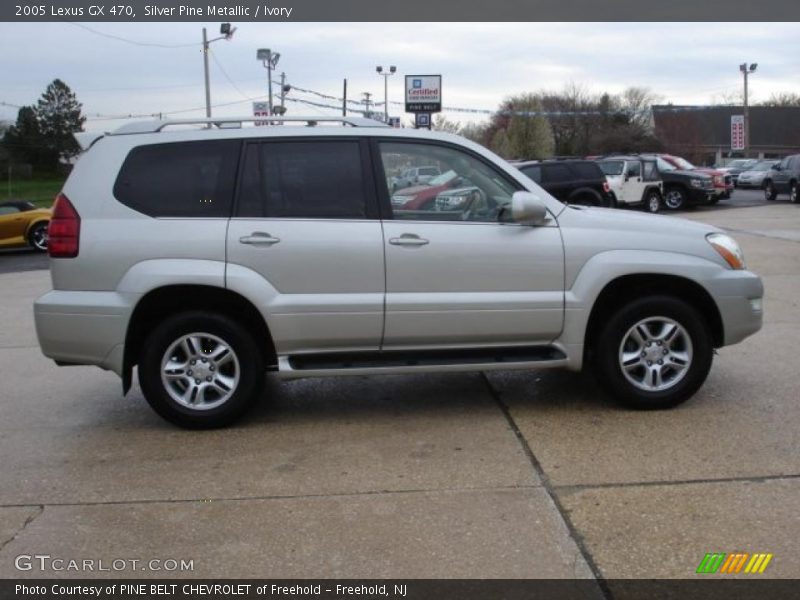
41	192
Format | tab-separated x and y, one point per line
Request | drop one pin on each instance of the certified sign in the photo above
423	93
260	109
737	132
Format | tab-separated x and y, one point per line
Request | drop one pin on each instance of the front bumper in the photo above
84	328
739	296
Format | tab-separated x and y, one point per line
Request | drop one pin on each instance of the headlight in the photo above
728	248
398	200
698	183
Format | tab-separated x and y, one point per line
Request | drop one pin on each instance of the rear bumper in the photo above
84	328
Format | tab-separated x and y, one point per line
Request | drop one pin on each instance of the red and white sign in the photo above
737	132
261	109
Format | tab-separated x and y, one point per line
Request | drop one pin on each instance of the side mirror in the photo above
528	209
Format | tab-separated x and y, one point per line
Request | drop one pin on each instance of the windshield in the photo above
739	164
443	178
664	165
765	165
681	163
612	167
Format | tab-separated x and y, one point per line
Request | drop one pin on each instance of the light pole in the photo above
380	71
227	33
367	100
270	60
745	72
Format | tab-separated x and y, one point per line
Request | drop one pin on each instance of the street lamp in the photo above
226	32
386	75
745	72
270	60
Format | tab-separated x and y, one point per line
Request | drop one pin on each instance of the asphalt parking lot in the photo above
518	475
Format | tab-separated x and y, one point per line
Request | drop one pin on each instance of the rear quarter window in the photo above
180	179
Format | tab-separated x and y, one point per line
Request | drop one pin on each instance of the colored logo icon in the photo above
735	562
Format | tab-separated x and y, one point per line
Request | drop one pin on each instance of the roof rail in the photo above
234	122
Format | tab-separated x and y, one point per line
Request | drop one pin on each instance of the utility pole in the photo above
283	93
269	59
367	97
386	75
745	72
205	71
344	99
226	32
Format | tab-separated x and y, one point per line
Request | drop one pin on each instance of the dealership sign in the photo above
261	109
423	93
737	132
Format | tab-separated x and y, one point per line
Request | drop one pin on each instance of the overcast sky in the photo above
689	63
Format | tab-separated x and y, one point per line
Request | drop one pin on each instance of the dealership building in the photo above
704	133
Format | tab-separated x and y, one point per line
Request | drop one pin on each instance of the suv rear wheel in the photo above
675	198
653	353
652	202
200	370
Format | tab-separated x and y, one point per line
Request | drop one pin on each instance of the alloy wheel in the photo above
655	354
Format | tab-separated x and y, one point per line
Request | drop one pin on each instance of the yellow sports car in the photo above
22	224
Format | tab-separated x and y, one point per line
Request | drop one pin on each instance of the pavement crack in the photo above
550	490
30	519
624	484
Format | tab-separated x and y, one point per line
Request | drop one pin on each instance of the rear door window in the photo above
181	179
534	172
303	179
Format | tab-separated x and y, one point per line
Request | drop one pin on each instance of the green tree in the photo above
442	123
529	135
59	114
23	141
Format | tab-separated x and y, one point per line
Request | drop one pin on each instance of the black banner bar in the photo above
743	11
403	589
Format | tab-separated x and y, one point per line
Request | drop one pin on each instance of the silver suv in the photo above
210	254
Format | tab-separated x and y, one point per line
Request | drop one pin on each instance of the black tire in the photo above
770	193
248	360
587	198
675	198
652	202
608	348
37	237
793	191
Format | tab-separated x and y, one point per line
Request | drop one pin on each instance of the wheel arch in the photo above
164	301
630	286
31	224
585	191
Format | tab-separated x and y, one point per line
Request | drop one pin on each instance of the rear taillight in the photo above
606	187
64	230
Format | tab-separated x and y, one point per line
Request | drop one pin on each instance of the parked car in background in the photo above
736	167
634	181
22	224
683	188
414	176
783	178
753	178
571	181
423	197
723	183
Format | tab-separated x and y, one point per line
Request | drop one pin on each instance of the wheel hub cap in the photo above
655	354
200	371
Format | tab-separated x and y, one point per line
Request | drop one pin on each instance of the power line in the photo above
225	73
129	41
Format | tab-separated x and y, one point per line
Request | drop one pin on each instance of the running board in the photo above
407	361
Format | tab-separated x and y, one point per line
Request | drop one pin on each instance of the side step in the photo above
403	361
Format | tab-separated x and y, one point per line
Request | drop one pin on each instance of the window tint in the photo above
467	189
556	173
307	179
534	172
184	179
587	170
8	210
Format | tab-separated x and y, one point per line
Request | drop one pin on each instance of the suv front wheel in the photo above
653	353
200	370
770	193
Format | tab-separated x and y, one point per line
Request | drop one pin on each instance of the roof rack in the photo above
235	122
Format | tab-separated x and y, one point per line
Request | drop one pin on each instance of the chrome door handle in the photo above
259	237
408	239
